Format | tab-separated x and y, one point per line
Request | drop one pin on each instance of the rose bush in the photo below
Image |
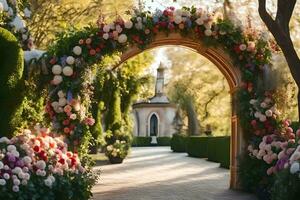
35	165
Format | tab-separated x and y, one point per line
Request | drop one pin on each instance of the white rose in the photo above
16	188
2	182
119	29
208	32
257	114
17	170
15	153
128	24
4	140
252	101
62	101
41	164
105	36
57	79
1	165
178	19
199	21
68	71
27	160
61	94
73	116
48	182
106	28
77	50
11	148
295	167
6	176
269	113
139	19
262	118
263	105
122	38
56	69
17	181
54	104
70	60
243	47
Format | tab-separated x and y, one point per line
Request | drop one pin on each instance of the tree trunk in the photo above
193	124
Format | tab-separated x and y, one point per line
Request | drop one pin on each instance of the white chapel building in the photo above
157	116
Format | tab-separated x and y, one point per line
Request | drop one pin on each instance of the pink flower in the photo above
67	109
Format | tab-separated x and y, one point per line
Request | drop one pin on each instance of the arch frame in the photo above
149	123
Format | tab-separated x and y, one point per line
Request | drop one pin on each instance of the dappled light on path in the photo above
157	173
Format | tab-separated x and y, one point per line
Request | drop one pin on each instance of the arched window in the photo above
153	125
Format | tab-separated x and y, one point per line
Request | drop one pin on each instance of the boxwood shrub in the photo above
197	146
178	142
11	81
163	141
141	141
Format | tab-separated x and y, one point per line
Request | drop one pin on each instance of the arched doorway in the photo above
153	125
232	74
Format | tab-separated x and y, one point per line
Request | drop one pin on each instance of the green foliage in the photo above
141	141
163	141
295	126
216	149
178	142
252	174
286	186
11	81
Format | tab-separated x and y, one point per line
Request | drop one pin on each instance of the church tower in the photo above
160	79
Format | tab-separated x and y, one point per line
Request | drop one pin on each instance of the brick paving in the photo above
155	173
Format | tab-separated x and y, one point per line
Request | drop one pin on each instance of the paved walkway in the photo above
155	173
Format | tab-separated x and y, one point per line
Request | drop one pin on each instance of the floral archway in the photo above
71	60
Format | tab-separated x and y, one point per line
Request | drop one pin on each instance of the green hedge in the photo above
141	141
216	149
178	143
295	126
163	141
11	81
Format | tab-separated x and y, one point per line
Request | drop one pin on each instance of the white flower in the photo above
4	140
139	26
70	60
262	118
15	153
40	164
208	32
295	167
57	79
24	182
122	38
15	188
54	104
178	19
208	25
2	182
178	12
68	71
263	105
11	148
119	29
269	113
18	23
257	114
128	24
1	165
73	116
243	47
106	28
105	36
27	13
199	21
24	36
62	101
77	50
56	69
17	170
17	181
253	101
6	176
139	19
61	94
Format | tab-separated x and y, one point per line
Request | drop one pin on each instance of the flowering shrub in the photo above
34	164
118	144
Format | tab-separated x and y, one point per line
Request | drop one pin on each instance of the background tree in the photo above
279	27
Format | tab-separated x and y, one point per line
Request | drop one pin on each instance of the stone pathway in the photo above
155	173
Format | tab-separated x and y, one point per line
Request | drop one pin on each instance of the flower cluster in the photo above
35	156
116	149
264	115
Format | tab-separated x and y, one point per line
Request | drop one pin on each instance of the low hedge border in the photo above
215	149
178	142
146	141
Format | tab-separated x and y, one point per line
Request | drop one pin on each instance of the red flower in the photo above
81	42
254	123
66	122
61	161
36	148
66	130
98	49
53	61
165	13
92	52
237	49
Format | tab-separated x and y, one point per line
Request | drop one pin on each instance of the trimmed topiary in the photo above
178	142
163	141
141	141
11	81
